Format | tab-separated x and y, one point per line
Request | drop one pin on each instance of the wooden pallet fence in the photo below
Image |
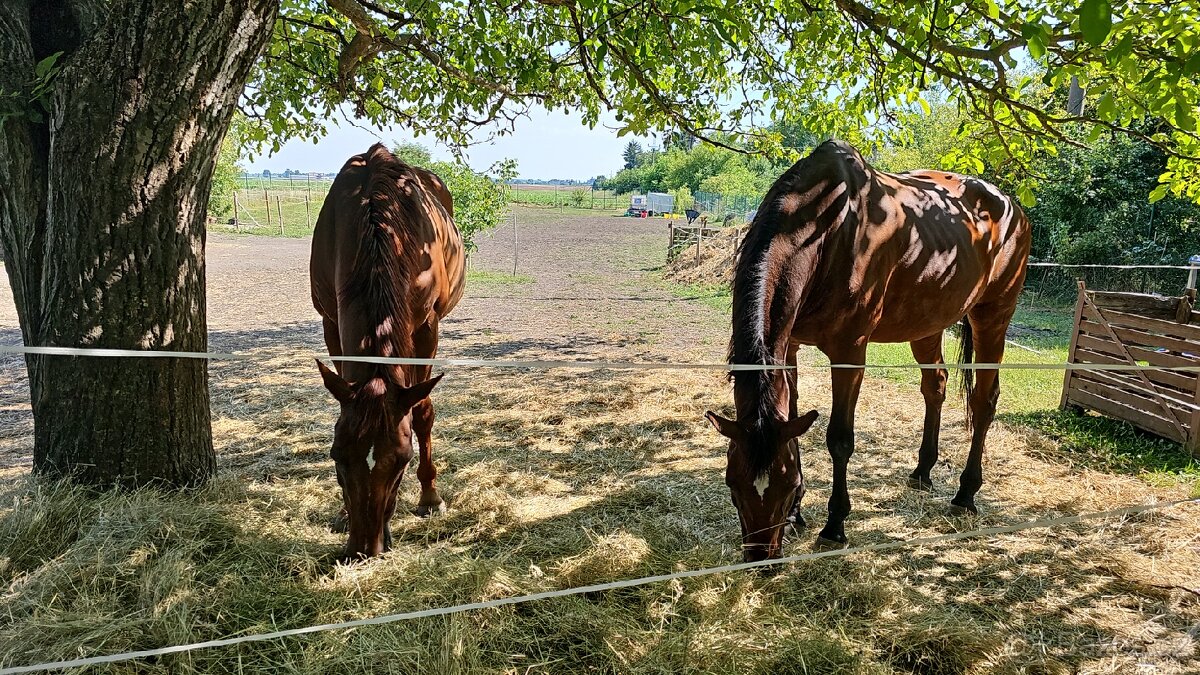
1138	329
680	238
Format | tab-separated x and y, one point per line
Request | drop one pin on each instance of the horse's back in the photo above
904	254
447	241
332	253
339	227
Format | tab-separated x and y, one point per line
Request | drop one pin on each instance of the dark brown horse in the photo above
840	255
387	264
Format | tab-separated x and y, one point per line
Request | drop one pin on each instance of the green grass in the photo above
714	296
492	279
603	200
253	216
1046	330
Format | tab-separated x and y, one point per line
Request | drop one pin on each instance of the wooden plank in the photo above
1139	418
1101	345
1132	396
1164	359
1142	304
1130	357
1193	444
1178	330
1181	400
1079	305
1141	337
1183	381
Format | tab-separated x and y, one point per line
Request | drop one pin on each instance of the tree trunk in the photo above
102	220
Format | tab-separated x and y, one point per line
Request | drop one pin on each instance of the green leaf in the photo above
44	66
1095	20
1037	48
1185	117
925	106
1192	66
1158	193
993	10
1025	195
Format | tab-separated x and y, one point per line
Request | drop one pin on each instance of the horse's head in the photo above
372	445
764	498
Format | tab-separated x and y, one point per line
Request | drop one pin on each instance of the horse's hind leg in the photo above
988	325
425	342
933	388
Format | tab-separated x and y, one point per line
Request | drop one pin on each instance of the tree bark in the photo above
102	220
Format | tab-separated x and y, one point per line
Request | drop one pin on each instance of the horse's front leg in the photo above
425	343
840	439
794	516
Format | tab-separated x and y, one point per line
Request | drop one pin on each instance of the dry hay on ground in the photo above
560	478
715	264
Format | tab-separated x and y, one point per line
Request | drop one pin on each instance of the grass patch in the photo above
714	296
1105	444
492	279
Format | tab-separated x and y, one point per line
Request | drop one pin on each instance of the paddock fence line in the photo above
1043	523
577	364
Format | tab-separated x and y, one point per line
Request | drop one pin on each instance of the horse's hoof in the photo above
958	510
916	483
426	510
823	544
797	523
340	523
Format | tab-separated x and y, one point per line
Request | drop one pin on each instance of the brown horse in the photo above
387	264
840	255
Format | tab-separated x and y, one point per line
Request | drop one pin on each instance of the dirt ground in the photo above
566	477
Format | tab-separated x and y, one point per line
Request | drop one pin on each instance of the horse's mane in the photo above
753	390
379	280
755	394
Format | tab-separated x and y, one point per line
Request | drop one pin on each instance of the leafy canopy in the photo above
718	71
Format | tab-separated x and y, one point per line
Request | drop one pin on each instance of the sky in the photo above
546	145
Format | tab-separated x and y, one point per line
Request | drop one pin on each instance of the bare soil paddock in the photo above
562	478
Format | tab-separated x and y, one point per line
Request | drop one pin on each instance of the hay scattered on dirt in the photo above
565	477
715	263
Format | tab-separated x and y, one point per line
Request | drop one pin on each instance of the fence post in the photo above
267	203
237	223
279	211
307	212
699	240
513	217
1195	263
1074	343
670	238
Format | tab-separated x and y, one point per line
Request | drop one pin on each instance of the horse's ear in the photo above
797	426
406	397
727	428
337	386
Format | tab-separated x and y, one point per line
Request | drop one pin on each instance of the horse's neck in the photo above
777	284
793	261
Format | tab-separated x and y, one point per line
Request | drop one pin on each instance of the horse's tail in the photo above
966	354
385	261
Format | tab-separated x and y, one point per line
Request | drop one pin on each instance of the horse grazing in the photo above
840	255
387	265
